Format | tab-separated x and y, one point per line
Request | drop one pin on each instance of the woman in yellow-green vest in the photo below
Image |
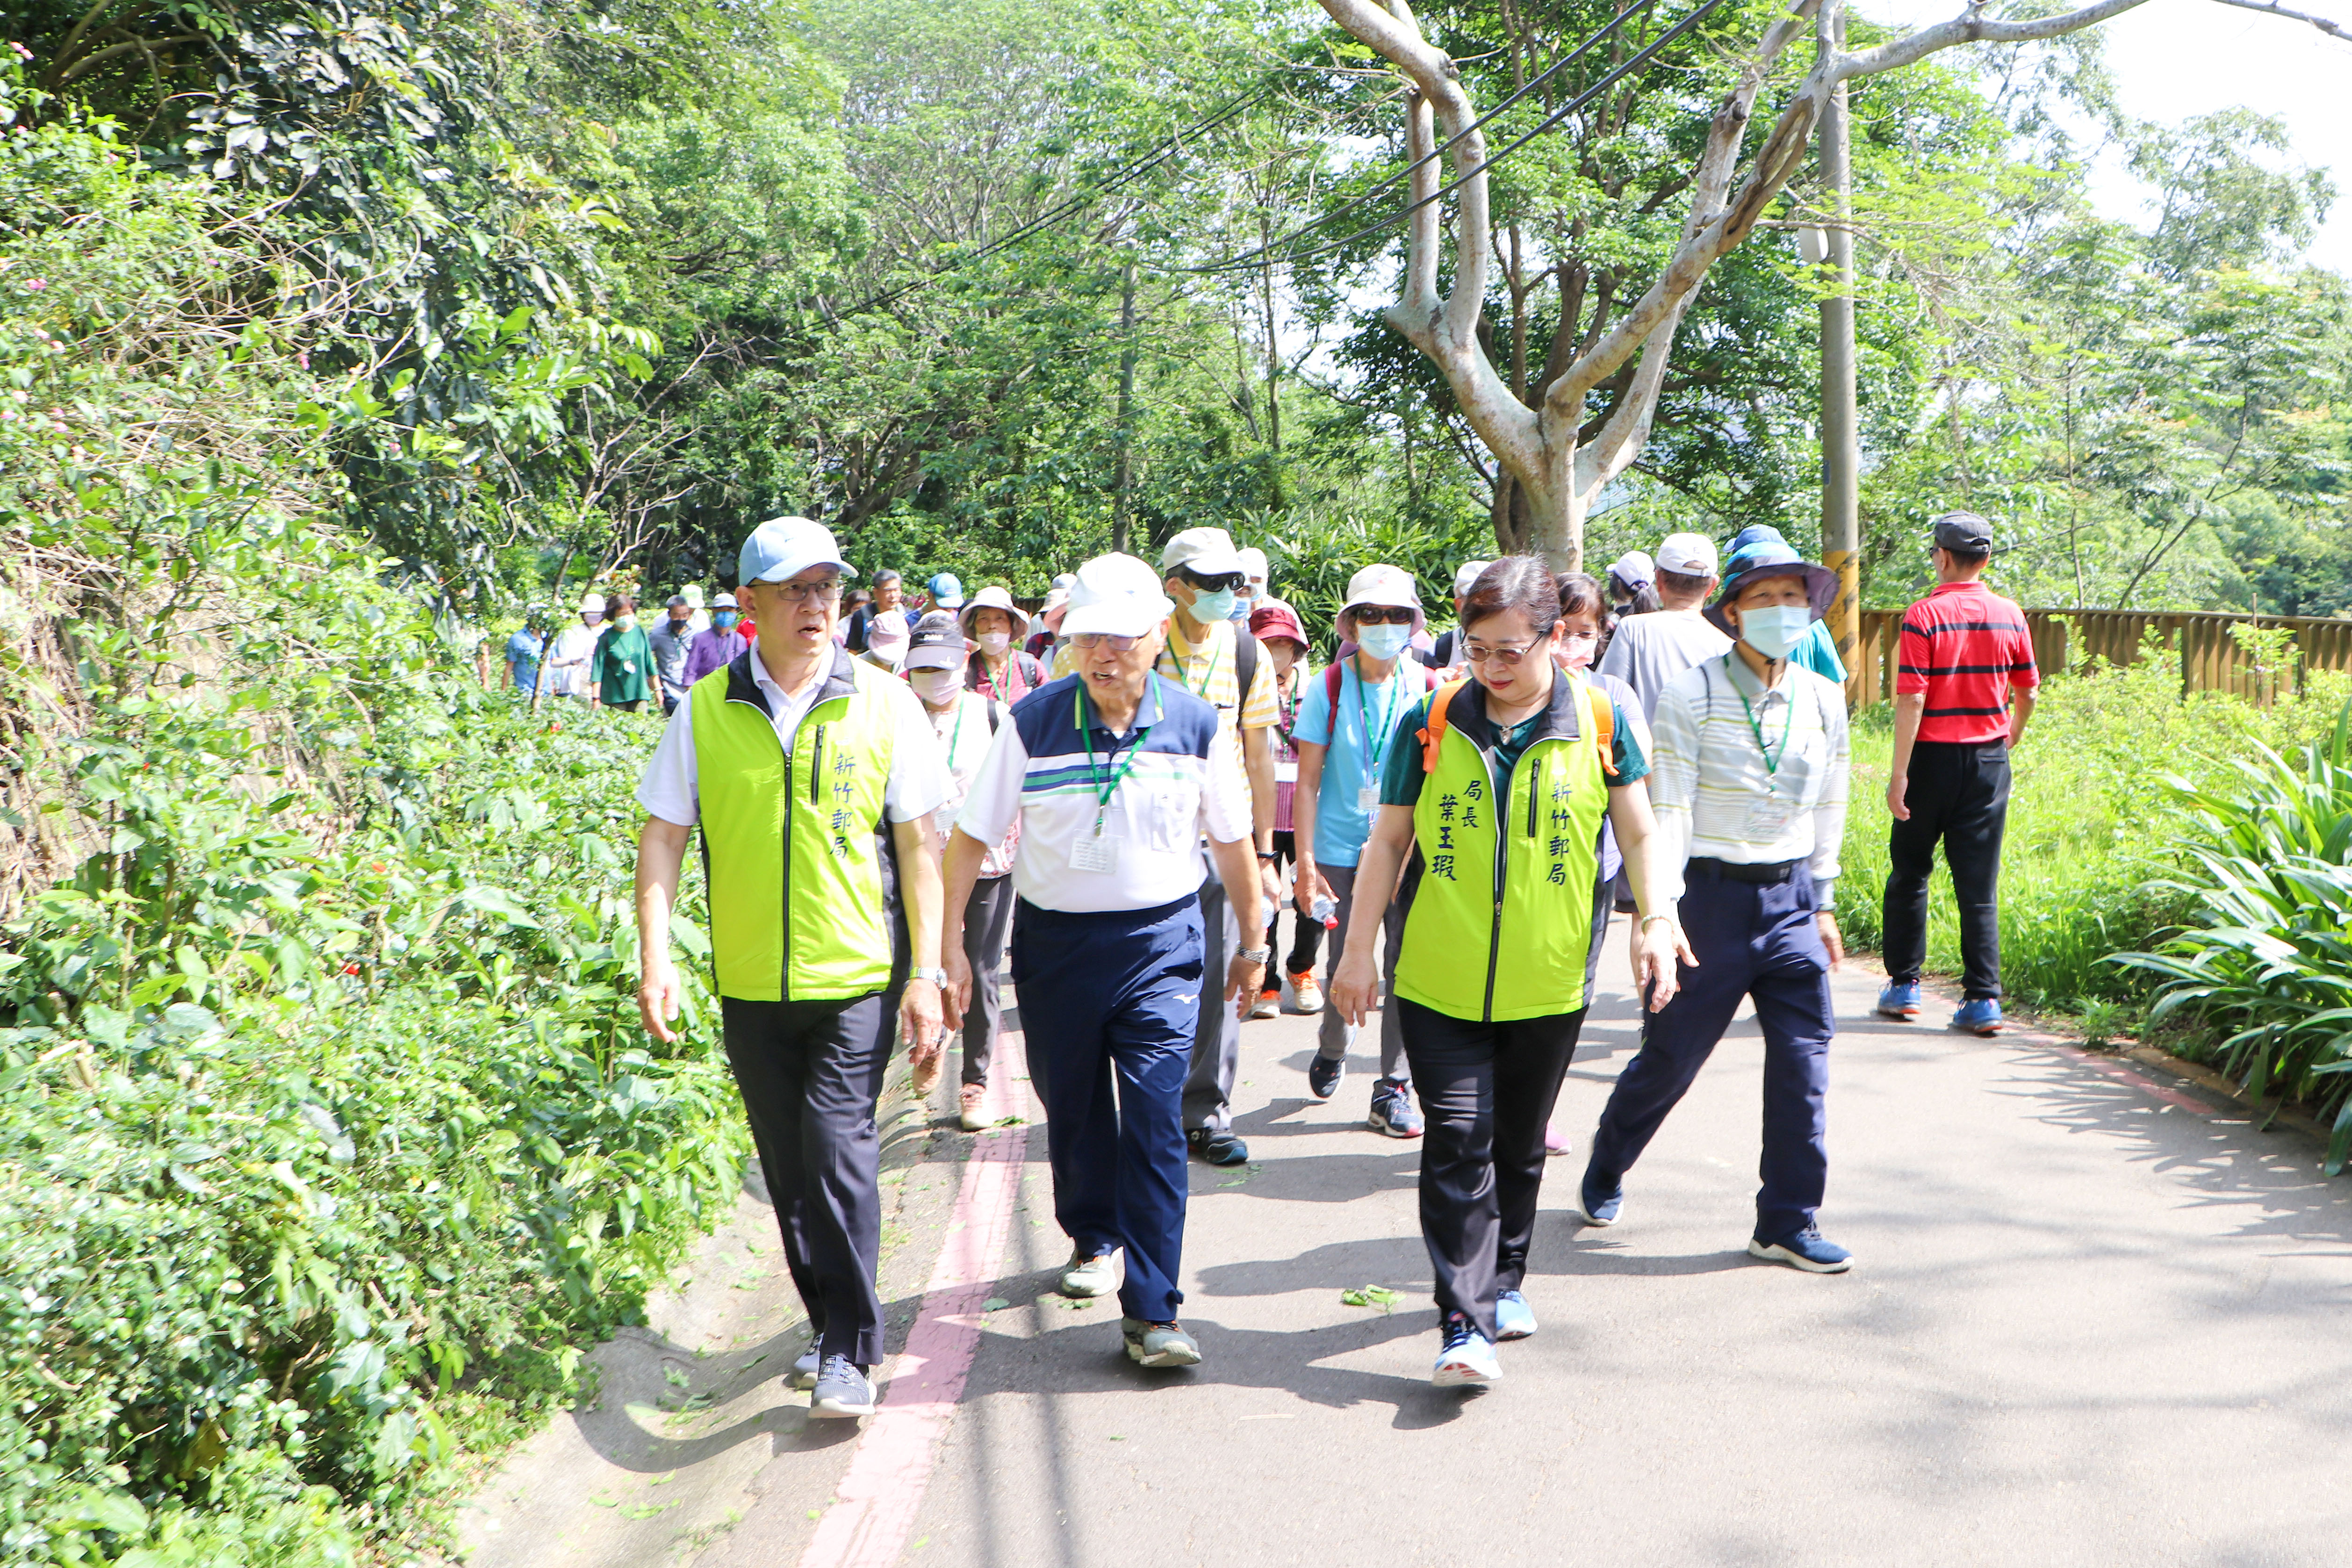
1498	782
813	777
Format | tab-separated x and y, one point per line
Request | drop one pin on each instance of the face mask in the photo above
1213	608
993	644
590	618
1384	641
936	686
1774	630
625	622
723	619
1578	649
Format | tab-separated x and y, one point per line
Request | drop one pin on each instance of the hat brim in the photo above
785	570
1132	618
1821	588
933	658
1390	602
1210	564
972	606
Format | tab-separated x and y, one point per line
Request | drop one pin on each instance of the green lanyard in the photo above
1375	746
1207	675
957	734
1094	773
1788	722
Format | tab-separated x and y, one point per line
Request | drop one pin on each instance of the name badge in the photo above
1768	819
1368	799
1094	852
1286	772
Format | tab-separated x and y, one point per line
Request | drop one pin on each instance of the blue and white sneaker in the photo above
1514	1319
842	1390
1979	1016
1802	1250
1899	1000
1392	1110
1323	1075
1601	1206
1466	1359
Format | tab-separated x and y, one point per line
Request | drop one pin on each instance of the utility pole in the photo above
1841	443
1121	506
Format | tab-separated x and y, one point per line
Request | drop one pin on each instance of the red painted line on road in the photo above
875	1506
2114	1069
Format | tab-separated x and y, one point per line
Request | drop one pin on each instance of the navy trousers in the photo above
1751	940
810	1073
1108	1003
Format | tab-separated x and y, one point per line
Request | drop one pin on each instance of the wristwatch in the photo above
1254	955
936	976
1269	854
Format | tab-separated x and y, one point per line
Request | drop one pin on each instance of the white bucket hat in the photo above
1392	586
993	597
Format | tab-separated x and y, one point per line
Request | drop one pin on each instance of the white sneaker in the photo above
1089	1276
1468	1359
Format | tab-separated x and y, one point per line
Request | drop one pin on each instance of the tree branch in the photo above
2333	29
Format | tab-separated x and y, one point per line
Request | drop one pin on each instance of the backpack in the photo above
1604	724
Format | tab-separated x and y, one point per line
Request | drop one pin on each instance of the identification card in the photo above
1286	772
1768	819
1368	799
1094	852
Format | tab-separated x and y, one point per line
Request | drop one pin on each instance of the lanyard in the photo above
1207	675
956	733
1375	746
1788	722
1094	773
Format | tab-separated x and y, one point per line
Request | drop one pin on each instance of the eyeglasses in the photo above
1474	653
1384	616
799	593
1233	580
1086	642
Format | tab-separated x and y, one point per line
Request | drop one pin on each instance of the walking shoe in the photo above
1556	1143
1323	1075
971	1119
924	1076
1092	1274
1392	1110
1465	1360
1514	1319
1899	1000
1157	1344
1268	1005
1979	1016
1305	993
1216	1146
1601	1206
803	1373
1802	1250
842	1390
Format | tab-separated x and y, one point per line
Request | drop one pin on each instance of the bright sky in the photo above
2174	58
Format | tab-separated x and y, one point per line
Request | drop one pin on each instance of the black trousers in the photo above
1488	1091
1959	796
810	1073
1306	931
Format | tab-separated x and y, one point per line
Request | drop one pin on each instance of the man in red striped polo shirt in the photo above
1963	690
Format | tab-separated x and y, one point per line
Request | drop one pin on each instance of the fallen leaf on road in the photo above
1379	1296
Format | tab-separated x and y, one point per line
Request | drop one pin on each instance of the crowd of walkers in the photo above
1123	791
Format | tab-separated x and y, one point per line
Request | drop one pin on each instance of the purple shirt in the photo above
713	649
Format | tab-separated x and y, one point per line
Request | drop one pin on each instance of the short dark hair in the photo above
1521	583
1681	581
620	605
1580	594
1967	557
887	574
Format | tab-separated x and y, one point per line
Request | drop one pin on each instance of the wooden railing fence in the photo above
2212	659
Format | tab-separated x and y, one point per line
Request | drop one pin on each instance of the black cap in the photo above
1964	532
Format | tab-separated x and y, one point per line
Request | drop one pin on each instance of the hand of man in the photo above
1243	979
1659	947
1310	885
1355	988
1830	937
1896	788
957	997
920	1022
657	996
1270	883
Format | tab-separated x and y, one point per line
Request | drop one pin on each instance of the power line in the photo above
1554	117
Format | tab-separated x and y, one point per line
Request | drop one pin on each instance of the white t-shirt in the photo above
1648	651
569	662
918	785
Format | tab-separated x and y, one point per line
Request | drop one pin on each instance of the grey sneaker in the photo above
1159	1344
803	1373
1092	1274
843	1389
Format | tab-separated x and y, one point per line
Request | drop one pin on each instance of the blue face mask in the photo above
1775	630
723	619
1210	608
1384	642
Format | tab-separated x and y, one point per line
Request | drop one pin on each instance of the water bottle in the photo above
1326	909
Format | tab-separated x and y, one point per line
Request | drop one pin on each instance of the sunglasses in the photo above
1233	580
1384	616
1087	642
1478	653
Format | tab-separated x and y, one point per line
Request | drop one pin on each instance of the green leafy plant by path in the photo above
2268	956
1379	1296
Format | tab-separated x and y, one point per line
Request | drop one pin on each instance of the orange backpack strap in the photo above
1433	733
1605	727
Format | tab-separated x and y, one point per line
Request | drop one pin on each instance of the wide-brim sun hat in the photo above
1117	595
1466	577
1273	618
1391	587
1767	559
786	547
1049	614
993	597
592	604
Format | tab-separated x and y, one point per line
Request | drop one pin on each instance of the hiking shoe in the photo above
1157	1344
1269	1004
803	1373
1323	1075
1601	1206
1465	1360
924	1076
1216	1146
970	1118
1802	1250
1979	1016
842	1390
1305	995
1392	1110
1514	1319
1899	1000
1092	1274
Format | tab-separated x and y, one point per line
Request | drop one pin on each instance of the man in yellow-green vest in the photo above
813	777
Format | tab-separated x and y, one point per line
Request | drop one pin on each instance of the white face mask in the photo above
934	686
1775	630
993	644
1384	641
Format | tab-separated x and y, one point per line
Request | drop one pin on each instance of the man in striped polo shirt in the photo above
1963	690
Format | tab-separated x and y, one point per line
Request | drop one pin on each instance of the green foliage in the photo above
2268	870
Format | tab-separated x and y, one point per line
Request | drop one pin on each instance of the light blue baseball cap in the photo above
947	590
786	547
